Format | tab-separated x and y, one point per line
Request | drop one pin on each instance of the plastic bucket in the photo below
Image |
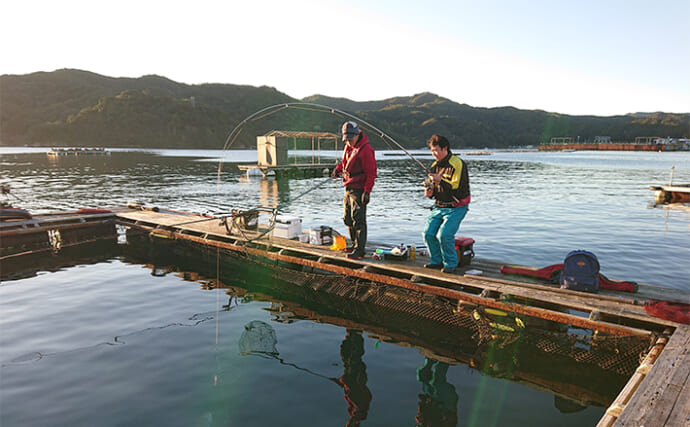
339	243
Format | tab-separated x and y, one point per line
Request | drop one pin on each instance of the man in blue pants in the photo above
449	185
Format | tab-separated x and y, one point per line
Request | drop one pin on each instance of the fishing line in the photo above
260	339
215	377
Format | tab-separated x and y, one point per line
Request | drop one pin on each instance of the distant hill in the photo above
80	108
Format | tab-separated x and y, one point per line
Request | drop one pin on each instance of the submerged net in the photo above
481	327
484	338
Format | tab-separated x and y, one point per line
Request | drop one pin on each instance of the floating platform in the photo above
53	232
431	294
621	146
679	193
615	312
306	170
58	152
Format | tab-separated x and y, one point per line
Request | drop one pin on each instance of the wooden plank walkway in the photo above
490	289
663	396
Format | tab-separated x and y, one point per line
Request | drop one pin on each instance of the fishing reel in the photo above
427	184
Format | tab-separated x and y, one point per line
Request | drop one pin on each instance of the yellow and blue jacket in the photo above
454	188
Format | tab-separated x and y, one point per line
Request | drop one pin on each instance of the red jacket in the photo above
359	165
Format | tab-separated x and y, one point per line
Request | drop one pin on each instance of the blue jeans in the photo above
439	234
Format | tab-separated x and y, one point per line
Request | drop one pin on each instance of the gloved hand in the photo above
365	198
335	173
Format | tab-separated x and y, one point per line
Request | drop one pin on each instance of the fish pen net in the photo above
504	343
482	325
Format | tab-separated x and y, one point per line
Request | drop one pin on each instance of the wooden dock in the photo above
607	311
53	232
656	394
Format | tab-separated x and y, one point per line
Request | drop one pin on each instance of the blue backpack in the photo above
580	272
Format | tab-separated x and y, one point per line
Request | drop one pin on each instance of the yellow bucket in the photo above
339	243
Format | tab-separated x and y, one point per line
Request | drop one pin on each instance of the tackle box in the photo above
464	246
322	235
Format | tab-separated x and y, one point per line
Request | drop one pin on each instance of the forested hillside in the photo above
80	108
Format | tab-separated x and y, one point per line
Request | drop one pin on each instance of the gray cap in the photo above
350	130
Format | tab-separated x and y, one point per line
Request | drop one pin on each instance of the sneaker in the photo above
436	266
448	270
355	255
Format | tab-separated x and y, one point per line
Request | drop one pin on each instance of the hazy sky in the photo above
600	57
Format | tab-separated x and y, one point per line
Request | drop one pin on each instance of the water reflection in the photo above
31	265
566	406
438	404
538	352
270	191
260	339
354	378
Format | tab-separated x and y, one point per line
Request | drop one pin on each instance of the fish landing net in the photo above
258	337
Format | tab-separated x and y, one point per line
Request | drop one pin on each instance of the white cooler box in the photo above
287	227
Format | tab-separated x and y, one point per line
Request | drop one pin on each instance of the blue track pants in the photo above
439	234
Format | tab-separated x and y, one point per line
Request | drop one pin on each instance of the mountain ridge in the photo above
70	107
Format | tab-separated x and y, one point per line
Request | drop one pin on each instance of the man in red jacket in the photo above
358	168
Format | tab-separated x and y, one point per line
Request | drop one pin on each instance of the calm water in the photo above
117	341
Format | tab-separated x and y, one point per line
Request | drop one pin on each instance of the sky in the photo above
583	57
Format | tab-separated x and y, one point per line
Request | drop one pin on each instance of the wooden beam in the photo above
354	269
663	395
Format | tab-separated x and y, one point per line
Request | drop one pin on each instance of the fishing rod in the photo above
267	111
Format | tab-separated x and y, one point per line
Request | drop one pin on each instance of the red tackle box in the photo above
464	246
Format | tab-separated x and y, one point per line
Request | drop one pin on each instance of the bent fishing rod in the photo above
267	111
